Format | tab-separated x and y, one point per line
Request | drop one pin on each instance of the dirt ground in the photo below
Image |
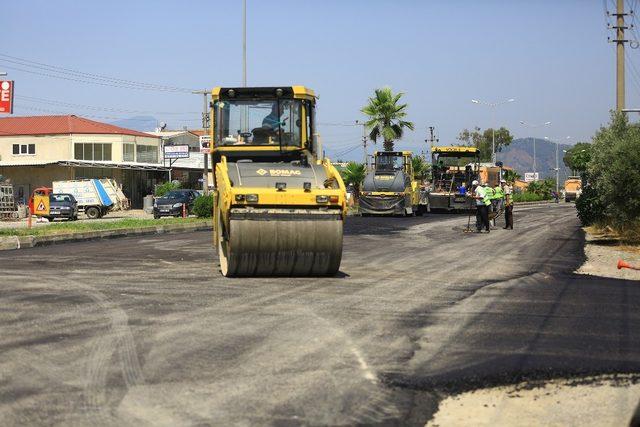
603	255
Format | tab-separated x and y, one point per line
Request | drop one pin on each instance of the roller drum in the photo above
282	247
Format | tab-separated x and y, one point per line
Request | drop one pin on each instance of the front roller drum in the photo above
274	247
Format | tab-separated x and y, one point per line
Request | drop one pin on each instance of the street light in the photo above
557	168
493	106
523	123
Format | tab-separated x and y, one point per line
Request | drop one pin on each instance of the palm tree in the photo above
420	167
386	117
510	175
354	174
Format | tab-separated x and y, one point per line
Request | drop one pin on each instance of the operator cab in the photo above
263	123
453	166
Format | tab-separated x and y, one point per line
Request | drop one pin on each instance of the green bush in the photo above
164	188
203	206
614	173
589	207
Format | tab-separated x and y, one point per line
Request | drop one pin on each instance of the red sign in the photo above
6	96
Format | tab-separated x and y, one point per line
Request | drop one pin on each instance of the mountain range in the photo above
139	123
519	156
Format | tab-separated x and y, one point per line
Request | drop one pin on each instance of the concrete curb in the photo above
21	242
541	202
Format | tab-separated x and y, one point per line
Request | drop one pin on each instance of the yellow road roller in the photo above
279	206
390	187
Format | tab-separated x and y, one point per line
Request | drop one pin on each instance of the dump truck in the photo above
572	188
279	206
452	168
95	197
390	187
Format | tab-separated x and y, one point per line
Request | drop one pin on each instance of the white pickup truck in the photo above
95	197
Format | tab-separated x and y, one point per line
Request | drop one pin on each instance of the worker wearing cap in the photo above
508	207
498	198
482	209
489	196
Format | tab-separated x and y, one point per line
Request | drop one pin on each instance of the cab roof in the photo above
299	92
393	153
454	149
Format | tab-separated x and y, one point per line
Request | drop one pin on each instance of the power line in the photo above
57	112
69	74
90	107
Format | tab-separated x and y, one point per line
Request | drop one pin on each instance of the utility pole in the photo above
205	127
431	138
364	142
244	43
619	41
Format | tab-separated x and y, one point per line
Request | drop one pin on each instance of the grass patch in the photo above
76	227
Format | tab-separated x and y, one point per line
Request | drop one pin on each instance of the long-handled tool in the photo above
623	264
468	229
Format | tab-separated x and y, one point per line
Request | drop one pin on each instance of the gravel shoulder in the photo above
602	259
593	401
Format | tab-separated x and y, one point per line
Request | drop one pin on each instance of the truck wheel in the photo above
92	212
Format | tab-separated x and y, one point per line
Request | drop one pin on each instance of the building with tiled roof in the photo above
37	150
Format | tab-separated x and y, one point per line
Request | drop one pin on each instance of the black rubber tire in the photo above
92	212
156	216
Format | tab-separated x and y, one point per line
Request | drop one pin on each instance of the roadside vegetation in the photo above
421	169
386	117
164	188
84	226
536	191
203	206
353	174
610	170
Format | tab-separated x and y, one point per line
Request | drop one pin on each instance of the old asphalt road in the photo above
144	331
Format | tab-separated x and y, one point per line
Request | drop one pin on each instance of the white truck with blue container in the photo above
95	197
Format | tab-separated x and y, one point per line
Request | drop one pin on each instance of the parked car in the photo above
171	203
62	205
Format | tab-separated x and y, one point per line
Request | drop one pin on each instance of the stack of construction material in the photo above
8	209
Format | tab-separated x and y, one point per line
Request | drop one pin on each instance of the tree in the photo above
386	117
578	157
354	174
482	140
614	172
421	169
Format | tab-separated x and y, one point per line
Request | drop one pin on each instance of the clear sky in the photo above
551	56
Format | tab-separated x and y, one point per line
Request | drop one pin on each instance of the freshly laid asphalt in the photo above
145	331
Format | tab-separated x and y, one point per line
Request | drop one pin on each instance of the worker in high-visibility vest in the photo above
482	217
497	201
488	191
508	206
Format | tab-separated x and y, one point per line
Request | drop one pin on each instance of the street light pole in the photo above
557	168
493	106
244	43
523	123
